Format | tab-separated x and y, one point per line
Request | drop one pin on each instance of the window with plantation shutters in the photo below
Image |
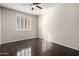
23	23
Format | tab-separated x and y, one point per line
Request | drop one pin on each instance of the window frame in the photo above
28	28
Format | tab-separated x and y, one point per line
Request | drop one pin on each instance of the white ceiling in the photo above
26	7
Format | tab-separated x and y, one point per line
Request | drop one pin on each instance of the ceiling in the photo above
26	7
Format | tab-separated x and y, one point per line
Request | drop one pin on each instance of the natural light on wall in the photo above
45	30
24	52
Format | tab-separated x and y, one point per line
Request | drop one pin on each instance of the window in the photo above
23	23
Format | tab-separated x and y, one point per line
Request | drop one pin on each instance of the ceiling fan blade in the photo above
39	7
38	3
32	8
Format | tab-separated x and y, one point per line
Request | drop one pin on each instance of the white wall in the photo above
9	33
61	25
0	25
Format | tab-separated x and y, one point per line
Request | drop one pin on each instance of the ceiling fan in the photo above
36	5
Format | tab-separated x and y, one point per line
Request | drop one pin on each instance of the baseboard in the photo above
64	45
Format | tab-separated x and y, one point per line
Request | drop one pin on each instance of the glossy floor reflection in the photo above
36	47
24	52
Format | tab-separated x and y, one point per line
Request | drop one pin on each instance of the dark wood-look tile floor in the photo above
38	47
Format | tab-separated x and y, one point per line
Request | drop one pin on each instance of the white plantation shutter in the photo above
23	23
29	24
18	23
